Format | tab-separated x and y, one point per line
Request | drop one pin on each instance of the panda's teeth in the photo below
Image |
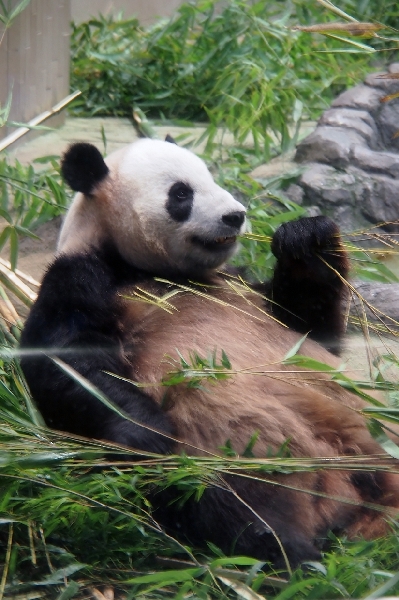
223	240
213	245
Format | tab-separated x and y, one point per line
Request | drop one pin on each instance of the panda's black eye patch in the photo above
180	201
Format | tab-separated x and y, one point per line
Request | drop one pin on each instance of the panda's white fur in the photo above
203	311
130	209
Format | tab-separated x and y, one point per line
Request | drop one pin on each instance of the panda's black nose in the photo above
234	219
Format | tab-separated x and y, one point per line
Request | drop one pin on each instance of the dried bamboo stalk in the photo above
13	137
16	286
20	274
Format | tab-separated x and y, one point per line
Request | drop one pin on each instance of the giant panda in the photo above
139	280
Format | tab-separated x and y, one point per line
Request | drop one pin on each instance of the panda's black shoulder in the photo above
81	290
82	269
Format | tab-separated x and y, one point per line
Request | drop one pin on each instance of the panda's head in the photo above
156	202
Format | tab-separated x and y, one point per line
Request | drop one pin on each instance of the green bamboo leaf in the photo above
5	111
14	245
6	215
381	590
378	433
70	591
17	10
294	349
241	561
59	576
308	363
5	234
295	589
225	361
43	459
26	232
163	578
248	450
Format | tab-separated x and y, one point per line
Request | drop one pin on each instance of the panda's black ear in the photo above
168	138
83	167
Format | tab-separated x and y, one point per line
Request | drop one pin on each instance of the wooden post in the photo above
35	61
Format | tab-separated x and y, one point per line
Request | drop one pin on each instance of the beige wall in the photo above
146	10
34	53
34	59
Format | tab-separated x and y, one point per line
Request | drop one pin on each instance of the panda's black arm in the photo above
76	318
306	291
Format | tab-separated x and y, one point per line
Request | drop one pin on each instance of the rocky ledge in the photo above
352	158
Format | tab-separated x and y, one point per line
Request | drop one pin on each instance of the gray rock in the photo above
375	162
349	220
334	193
326	184
295	193
383	296
317	174
380	202
361	96
388	85
352	160
313	211
387	121
359	120
331	145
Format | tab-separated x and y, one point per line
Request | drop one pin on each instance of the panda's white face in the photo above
162	209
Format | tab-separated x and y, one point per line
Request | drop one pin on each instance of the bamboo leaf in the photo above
381	437
242	590
17	10
70	591
14	245
381	590
357	46
60	575
291	353
163	578
5	111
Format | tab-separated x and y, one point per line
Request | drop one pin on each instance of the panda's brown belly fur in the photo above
316	415
278	402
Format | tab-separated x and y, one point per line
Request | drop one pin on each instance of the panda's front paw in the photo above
305	237
312	245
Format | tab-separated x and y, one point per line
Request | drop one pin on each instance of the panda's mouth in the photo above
219	243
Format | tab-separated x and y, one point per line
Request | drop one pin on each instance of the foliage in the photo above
72	519
196	370
28	198
236	65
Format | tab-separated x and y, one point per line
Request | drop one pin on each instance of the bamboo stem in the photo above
16	286
13	137
21	274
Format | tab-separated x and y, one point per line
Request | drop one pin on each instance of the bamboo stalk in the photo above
9	308
13	137
6	314
21	274
17	287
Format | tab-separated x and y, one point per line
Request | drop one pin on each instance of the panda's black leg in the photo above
306	290
226	520
76	318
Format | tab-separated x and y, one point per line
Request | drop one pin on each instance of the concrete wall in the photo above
34	60
146	10
34	52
